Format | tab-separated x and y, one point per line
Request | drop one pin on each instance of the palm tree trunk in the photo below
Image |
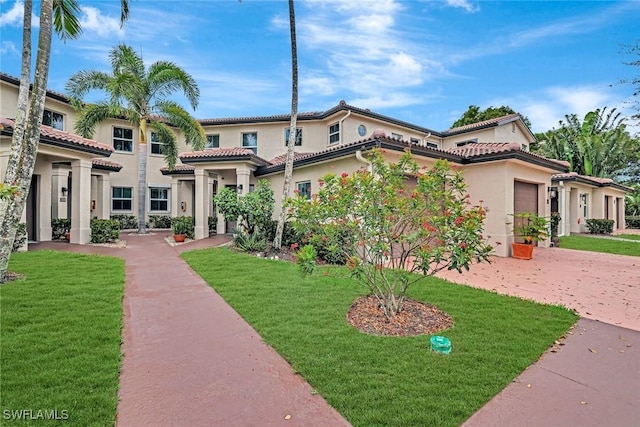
24	153
288	169
142	177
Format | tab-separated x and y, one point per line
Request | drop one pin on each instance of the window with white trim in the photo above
250	140
432	145
304	189
156	145
397	135
287	131
53	119
123	139
121	198
415	141
334	133
158	199
213	141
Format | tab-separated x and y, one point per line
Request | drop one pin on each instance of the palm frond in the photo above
179	117
125	60
166	78
65	19
84	81
169	142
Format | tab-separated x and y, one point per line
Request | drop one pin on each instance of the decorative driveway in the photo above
598	286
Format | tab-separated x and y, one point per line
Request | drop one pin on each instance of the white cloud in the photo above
92	20
13	16
545	108
8	48
463	4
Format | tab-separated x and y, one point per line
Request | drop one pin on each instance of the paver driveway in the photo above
598	286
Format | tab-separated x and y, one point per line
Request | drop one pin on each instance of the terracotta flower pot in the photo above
522	251
179	238
67	236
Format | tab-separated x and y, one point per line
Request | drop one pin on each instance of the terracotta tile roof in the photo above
237	153
485	123
592	180
49	134
479	148
250	119
178	170
283	158
106	165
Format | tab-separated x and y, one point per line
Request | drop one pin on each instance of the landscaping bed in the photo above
380	380
60	339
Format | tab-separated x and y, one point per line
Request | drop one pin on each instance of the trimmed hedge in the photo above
127	222
159	221
633	222
104	230
600	226
59	226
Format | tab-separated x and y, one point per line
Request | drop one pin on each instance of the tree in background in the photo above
599	145
390	229
61	16
140	96
475	115
288	168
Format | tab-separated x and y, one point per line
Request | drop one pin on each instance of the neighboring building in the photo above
494	155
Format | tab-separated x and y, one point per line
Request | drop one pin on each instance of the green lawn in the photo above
629	236
60	339
595	244
385	381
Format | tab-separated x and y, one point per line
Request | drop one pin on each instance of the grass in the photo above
60	338
595	244
629	236
382	381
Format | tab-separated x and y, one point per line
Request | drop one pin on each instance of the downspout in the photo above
563	208
362	159
425	140
341	121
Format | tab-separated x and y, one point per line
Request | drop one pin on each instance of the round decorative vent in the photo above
362	130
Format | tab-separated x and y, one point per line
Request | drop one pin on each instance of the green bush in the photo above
289	234
127	222
633	222
246	242
104	230
21	237
159	221
600	226
59	226
183	225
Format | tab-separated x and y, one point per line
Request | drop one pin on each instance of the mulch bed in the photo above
416	318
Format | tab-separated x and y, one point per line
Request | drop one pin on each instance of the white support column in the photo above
202	206
175	196
81	201
242	179
103	210
44	204
59	177
210	211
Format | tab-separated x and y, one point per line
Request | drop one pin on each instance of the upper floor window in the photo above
250	140
123	139
156	145
334	133
415	141
287	131
213	141
396	135
432	145
304	189
53	119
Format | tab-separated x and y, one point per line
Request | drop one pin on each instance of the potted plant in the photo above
180	228
554	222
529	228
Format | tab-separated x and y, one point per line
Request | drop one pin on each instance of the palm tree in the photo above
288	169
599	145
61	16
140	96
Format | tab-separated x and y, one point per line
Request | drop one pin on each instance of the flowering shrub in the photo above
390	229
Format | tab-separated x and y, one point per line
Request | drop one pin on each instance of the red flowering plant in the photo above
396	229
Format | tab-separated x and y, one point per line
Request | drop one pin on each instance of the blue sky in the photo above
420	61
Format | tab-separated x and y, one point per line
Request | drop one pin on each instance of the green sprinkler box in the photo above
440	344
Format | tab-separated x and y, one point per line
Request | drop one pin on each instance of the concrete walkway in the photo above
189	358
